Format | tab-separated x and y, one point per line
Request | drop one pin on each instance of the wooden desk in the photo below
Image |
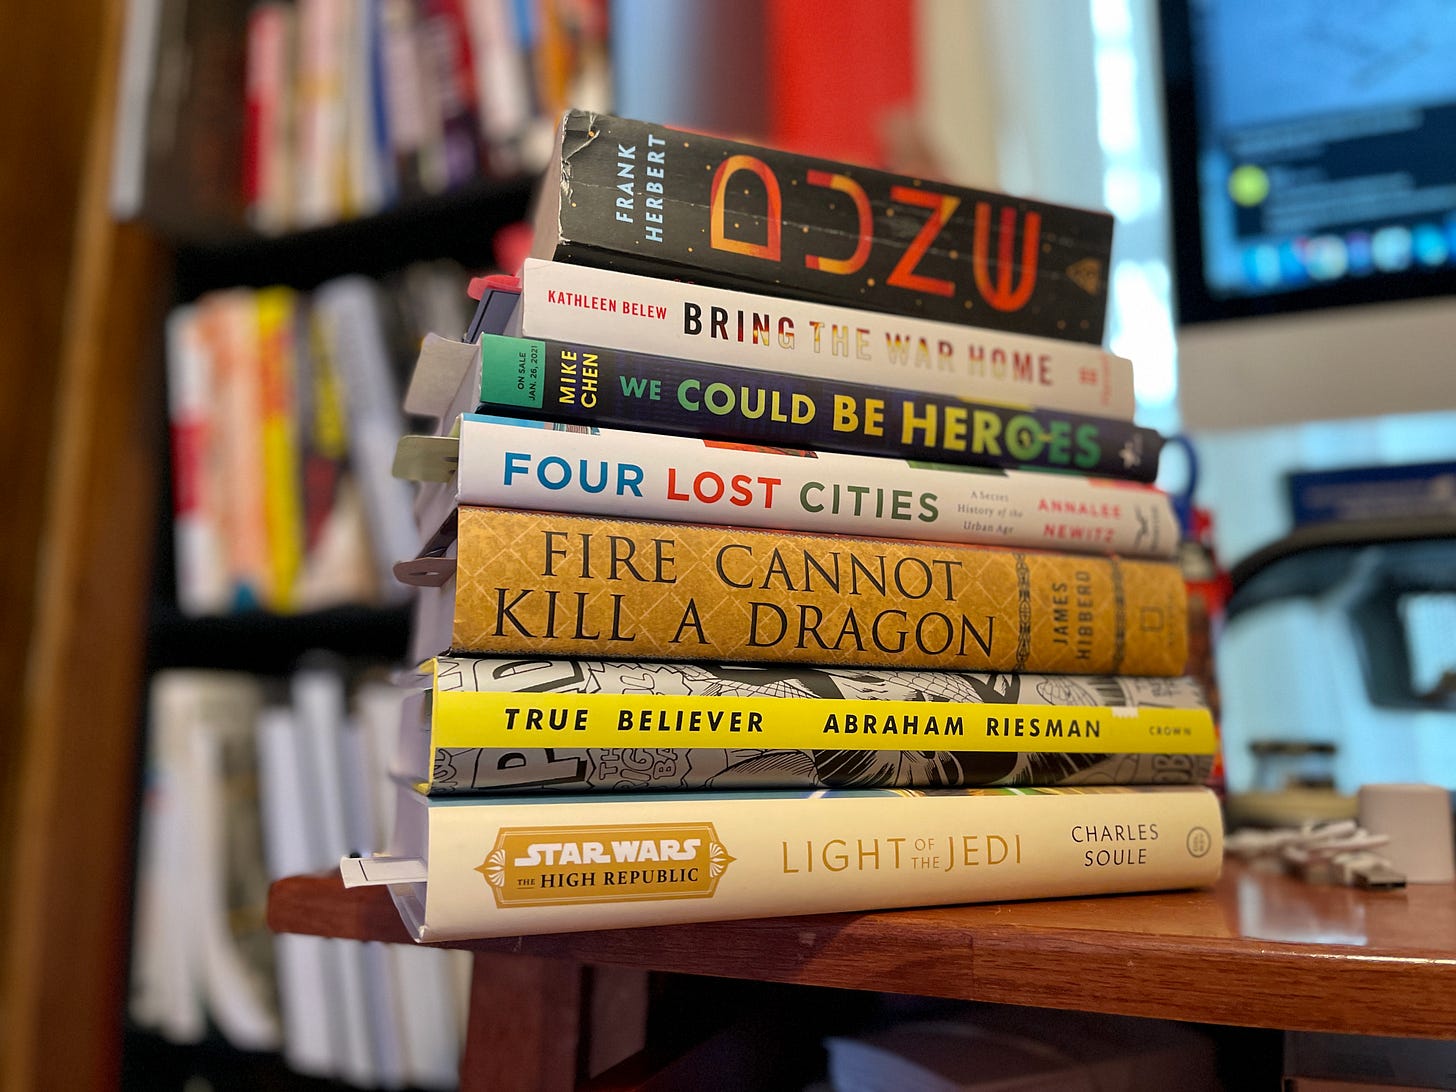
1258	950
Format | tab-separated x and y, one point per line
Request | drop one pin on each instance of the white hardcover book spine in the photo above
205	722
202	571
353	323
240	1002
321	103
421	993
502	868
533	465
320	704
671	318
139	44
167	957
312	1041
382	994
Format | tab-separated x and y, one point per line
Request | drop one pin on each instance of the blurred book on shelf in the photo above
238	118
284	410
249	779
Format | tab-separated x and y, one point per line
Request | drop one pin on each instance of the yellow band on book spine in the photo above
278	426
496	719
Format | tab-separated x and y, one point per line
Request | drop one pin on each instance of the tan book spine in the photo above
510	866
540	582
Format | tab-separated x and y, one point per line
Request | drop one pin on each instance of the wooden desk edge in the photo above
1046	955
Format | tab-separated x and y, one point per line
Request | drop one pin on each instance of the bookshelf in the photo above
89	610
90	415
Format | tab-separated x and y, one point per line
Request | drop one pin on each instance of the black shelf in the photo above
461	225
151	1063
273	644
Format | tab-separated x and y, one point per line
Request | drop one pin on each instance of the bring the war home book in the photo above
467	867
775	333
515	463
565	586
585	384
647	198
518	725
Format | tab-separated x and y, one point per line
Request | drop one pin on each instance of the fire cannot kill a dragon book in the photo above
562	585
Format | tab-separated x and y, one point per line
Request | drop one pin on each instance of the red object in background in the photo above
838	82
1209	588
512	244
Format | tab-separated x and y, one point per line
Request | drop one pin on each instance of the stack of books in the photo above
788	547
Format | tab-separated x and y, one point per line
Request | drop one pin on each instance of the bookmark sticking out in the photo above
426	458
381	871
441	367
425	572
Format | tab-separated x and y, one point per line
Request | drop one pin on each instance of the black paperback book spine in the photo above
654	200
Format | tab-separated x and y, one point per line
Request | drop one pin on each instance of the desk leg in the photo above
525	1024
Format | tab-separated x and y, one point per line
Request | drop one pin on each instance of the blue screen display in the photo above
1326	142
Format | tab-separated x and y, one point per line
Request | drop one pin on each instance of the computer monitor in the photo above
1312	162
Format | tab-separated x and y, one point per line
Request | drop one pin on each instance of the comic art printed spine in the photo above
503	725
650	199
585	384
502	867
774	333
560	585
516	463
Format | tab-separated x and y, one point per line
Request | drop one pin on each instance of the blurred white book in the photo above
202	951
424	980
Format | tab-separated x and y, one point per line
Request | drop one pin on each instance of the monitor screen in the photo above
1313	185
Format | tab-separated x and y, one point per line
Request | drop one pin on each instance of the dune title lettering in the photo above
637	197
1003	280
